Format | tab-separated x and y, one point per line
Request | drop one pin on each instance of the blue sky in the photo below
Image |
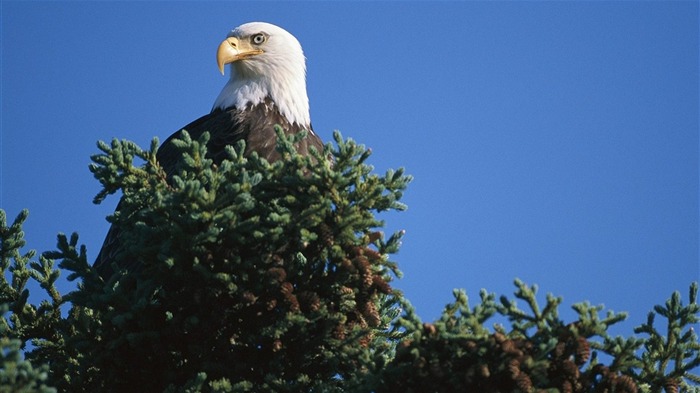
556	142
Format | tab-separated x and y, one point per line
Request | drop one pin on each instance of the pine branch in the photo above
670	359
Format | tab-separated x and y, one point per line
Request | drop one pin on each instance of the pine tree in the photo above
251	276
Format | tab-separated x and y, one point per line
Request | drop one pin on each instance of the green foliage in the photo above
669	360
18	375
26	322
234	276
539	352
245	275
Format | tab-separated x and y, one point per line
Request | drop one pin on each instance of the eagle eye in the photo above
259	38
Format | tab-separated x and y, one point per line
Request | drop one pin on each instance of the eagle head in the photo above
266	62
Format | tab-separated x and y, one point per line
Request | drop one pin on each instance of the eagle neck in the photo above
287	94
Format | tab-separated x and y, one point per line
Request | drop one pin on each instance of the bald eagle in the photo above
267	87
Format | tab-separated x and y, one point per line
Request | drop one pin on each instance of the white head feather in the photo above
279	73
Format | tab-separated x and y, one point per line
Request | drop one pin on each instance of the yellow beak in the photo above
232	49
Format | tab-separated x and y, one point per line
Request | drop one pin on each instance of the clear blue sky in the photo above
556	142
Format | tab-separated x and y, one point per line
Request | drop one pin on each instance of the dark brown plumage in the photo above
254	124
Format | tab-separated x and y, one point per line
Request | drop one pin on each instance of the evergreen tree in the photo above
251	276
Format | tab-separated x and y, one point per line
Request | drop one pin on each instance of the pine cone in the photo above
277	274
570	370
325	234
514	368
523	382
287	290
309	301
566	387
429	329
583	351
380	284
671	385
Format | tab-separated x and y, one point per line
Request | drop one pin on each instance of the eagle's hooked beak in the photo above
232	49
